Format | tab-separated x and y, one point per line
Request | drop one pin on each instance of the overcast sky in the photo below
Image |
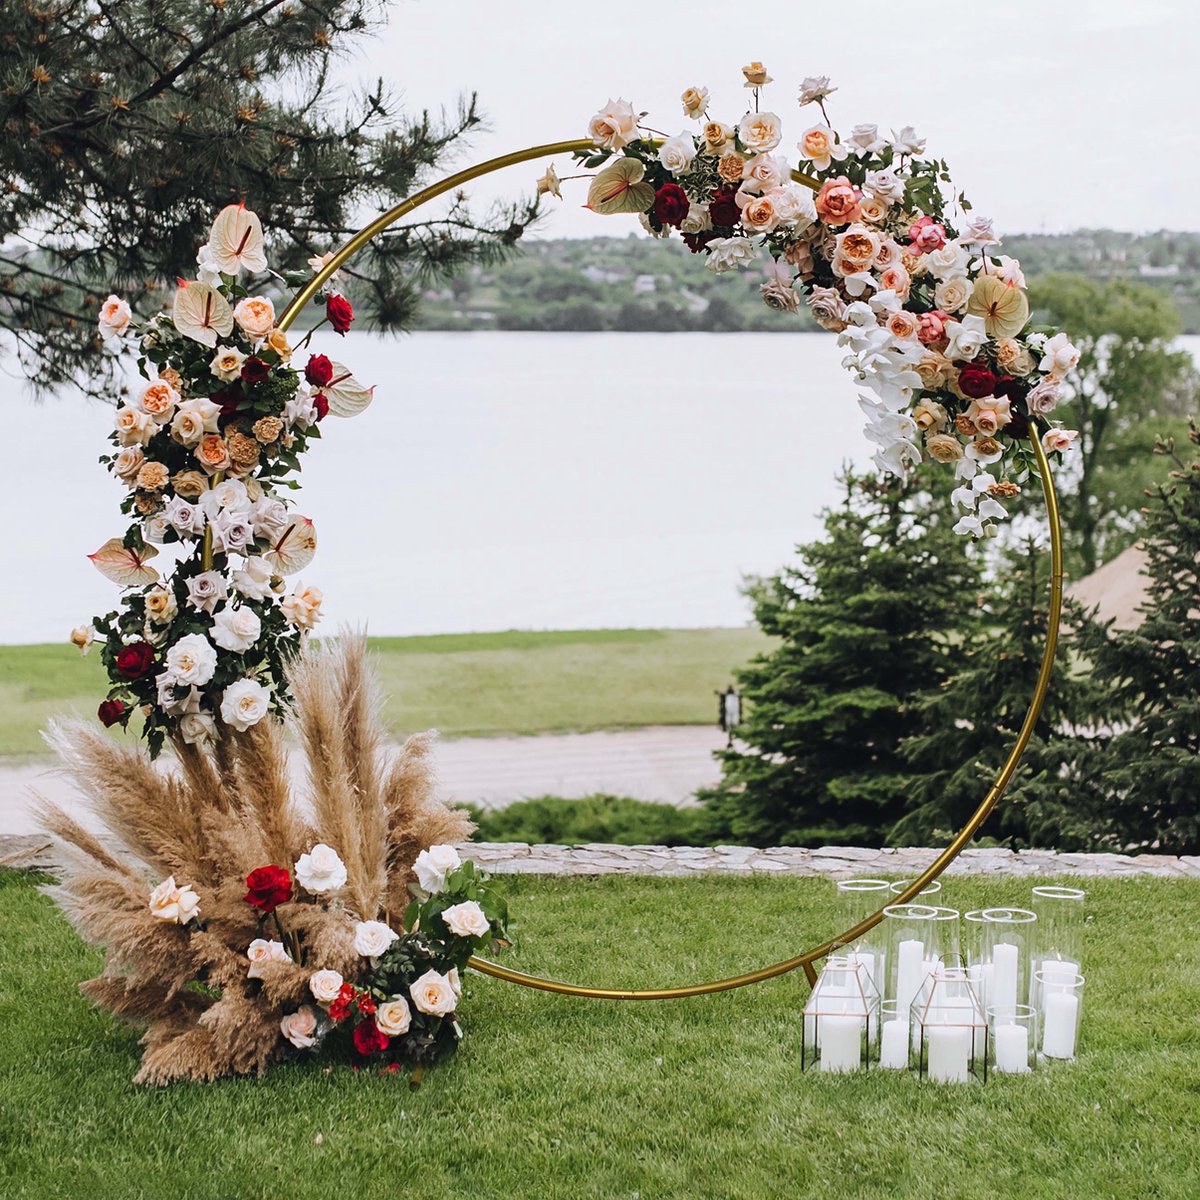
1053	114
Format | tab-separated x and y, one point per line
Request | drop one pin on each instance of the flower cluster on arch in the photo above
206	448
935	321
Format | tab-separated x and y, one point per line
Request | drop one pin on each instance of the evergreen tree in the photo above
126	127
1150	768
971	722
867	623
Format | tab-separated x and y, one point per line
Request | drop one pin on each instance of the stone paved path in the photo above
662	763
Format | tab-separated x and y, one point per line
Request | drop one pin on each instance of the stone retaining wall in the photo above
518	858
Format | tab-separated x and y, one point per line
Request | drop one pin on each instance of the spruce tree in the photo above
1150	768
126	127
867	623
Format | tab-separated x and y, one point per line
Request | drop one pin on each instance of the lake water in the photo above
501	480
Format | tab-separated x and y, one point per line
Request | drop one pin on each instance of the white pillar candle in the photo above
841	1043
1059	970
1061	1016
893	1049
1003	984
928	968
910	972
1012	1049
949	1048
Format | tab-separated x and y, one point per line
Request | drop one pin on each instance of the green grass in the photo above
472	684
553	1097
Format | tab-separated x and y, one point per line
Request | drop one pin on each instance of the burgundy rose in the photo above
369	1038
134	661
671	204
976	381
110	712
254	370
229	399
696	242
724	210
319	370
321	404
1018	427
1008	385
268	888
340	312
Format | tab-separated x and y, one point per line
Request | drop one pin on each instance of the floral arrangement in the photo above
277	928
207	448
935	321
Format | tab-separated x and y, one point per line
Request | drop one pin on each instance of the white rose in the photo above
950	259
1043	398
259	952
197	728
794	206
728	254
764	172
134	427
155	529
433	865
175	904
885	184
269	516
325	986
454	981
1059	356
175	699
300	1028
814	88
115	315
321	870
372	938
697	219
614	126
244	704
951	294
864	140
193	419
393	1016
227	363
466	920
229	493
206	590
232	532
254	579
184	517
192	659
676	153
966	338
236	629
432	994
760	132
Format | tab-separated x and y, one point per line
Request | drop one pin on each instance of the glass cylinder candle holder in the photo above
909	938
859	899
841	1018
930	889
894	1037
1009	948
1061	915
951	1028
1061	1011
1013	1035
972	951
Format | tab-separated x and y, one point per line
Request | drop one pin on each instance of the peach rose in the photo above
614	126
1059	440
128	463
134	427
819	145
935	369
759	215
1013	358
858	245
896	279
278	342
717	137
943	448
902	324
837	202
256	316
730	168
158	400
153	477
191	485
212	453
115	316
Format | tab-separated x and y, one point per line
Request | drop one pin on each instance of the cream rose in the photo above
83	636
260	952
433	865
930	416
730	254
192	660
676	153
325	986
760	132
256	315
300	1028
695	102
244	704
197	728
763	173
128	463
466	920
433	995
134	427
161	607
372	938
819	145
193	419
227	363
1058	440
1044	396
303	607
321	870
614	126
236	628
177	905
944	448
393	1016
717	138
115	315
951	294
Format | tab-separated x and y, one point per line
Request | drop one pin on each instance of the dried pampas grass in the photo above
208	820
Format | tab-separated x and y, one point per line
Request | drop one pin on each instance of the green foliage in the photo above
127	126
867	623
619	820
1129	383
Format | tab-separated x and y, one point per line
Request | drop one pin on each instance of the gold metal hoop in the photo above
806	960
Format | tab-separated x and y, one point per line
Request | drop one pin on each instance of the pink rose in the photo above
1044	397
837	201
1059	440
927	235
933	328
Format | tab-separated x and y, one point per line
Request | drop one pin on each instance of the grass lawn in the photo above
552	1097
463	684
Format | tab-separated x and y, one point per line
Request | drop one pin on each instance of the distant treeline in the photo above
639	283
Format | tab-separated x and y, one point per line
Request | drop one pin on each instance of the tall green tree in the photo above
126	126
1150	768
1129	373
868	622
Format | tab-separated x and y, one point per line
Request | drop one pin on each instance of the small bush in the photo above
598	818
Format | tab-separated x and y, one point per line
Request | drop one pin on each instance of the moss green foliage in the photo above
561	1098
616	819
462	684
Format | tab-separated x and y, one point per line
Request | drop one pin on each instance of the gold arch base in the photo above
809	958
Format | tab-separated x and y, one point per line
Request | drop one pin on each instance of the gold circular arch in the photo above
806	960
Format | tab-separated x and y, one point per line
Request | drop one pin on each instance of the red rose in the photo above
340	312
110	712
321	404
1014	389
319	370
696	242
724	210
228	398
369	1038
135	660
975	381
268	888
254	370
671	204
